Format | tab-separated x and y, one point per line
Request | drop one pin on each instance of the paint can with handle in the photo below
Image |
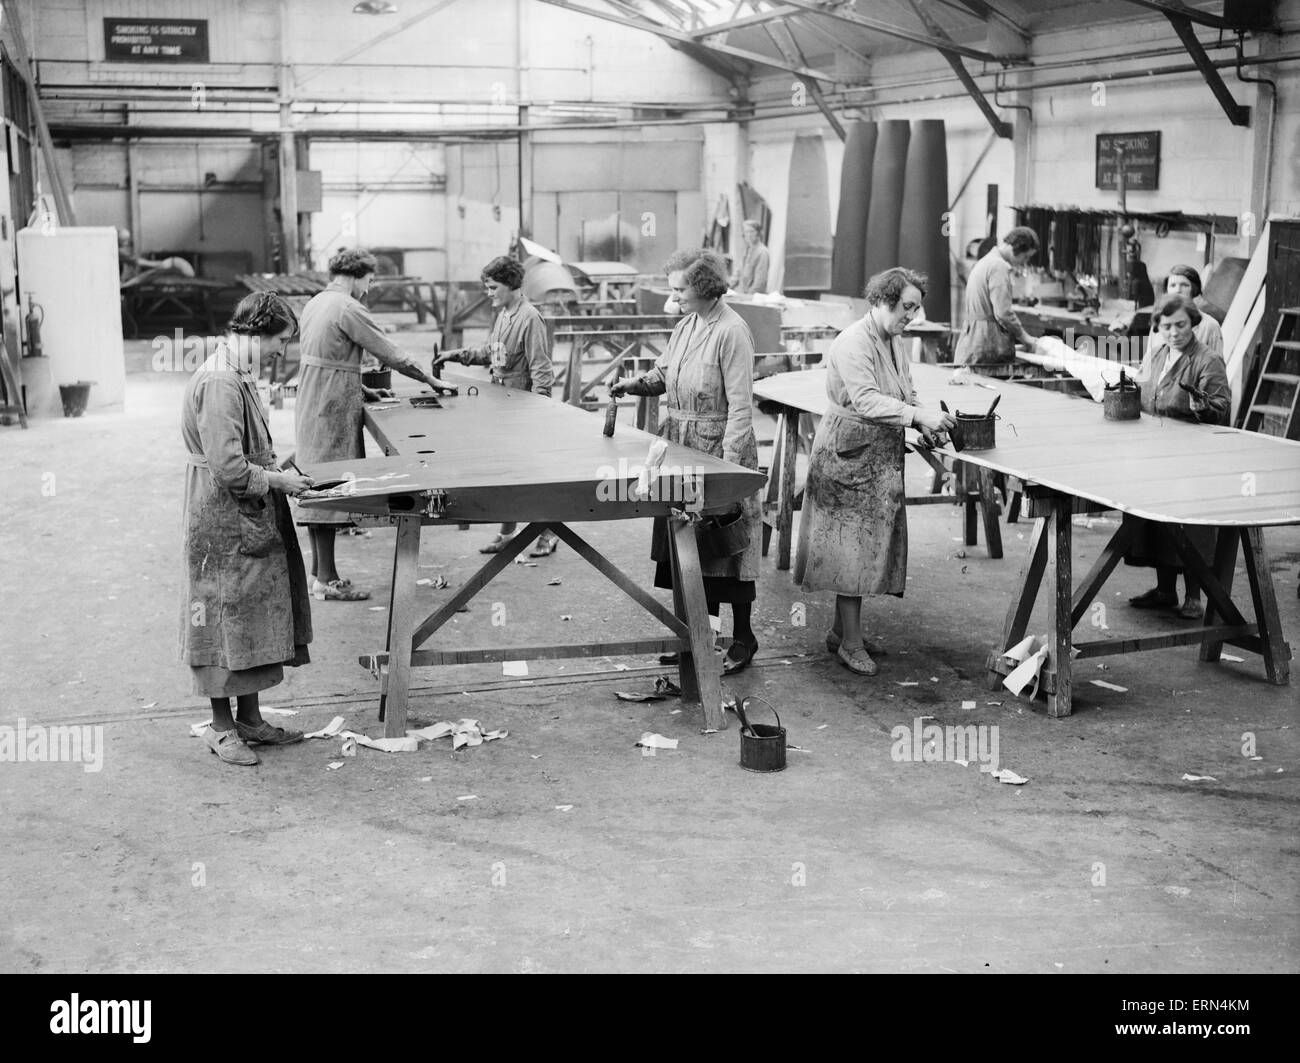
762	746
1122	401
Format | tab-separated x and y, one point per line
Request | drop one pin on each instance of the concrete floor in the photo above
850	860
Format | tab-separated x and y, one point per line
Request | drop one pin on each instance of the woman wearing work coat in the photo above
707	374
853	536
336	328
245	613
1184	379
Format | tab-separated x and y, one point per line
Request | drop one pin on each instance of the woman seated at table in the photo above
853	535
1182	379
707	374
1185	281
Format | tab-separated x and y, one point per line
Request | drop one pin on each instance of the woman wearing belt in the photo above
518	351
245	613
707	374
336	329
1181	378
853	535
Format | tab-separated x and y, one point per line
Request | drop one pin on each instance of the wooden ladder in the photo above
1272	409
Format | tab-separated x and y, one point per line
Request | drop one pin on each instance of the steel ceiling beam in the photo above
1001	127
1237	113
890	30
789	49
1180	10
774	15
682	38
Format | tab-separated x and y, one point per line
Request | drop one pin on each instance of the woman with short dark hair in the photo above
518	354
245	613
1182	379
853	533
1185	281
707	374
336	330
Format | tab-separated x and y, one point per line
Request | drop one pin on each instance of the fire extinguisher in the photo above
34	317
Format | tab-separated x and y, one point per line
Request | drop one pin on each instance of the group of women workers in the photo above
245	572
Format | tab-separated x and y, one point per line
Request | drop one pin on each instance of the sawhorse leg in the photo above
1022	604
697	668
1061	614
1274	648
403	615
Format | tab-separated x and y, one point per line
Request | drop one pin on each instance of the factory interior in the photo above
651	486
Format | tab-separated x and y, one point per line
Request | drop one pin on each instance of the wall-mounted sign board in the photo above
1141	153
153	40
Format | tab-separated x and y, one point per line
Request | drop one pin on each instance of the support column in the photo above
288	153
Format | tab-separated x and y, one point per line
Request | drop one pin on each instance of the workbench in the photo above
1070	459
493	454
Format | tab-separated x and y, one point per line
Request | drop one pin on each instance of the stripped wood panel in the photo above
1158	468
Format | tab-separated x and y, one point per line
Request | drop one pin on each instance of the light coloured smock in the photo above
754	267
853	533
518	350
990	327
707	375
245	609
335	330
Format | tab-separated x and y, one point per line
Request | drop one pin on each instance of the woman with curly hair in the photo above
853	534
707	374
336	329
245	614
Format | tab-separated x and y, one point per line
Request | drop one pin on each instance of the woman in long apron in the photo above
707	374
853	534
245	614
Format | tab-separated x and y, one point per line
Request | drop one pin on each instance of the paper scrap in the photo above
665	685
279	712
329	730
197	729
650	740
674	712
1222	657
563	808
1021	649
554	582
349	748
632	695
1198	778
823	726
424	583
566	616
409	744
909	683
462	732
1027	672
1006	775
514	667
968	704
334	765
1109	686
529	564
377	608
153	703
798	749
468	797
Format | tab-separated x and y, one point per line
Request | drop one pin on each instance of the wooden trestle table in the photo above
1071	460
493	454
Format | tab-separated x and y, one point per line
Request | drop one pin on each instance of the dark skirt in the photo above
1153	547
729	589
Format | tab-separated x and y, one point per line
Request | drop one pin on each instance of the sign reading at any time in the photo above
174	40
1141	153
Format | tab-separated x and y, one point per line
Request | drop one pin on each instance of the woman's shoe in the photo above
495	546
266	734
1155	598
731	663
833	644
858	661
229	747
1192	609
545	545
338	590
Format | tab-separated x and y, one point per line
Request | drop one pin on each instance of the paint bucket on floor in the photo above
75	397
975	431
762	746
